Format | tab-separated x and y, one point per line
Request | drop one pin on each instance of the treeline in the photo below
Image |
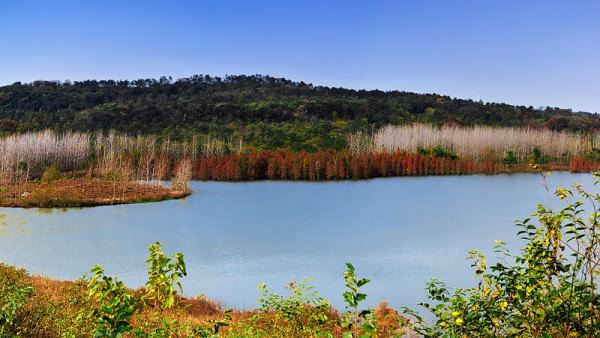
28	156
267	112
332	165
32	156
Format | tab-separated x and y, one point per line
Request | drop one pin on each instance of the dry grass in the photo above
476	142
63	308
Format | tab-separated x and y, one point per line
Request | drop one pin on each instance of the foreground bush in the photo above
549	289
14	292
102	306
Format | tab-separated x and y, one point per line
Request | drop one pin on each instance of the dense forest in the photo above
266	112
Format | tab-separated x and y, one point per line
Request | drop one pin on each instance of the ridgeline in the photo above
267	112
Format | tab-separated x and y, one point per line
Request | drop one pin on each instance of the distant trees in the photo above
8	125
183	174
267	112
332	165
110	155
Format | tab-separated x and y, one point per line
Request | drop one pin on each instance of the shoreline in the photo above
90	192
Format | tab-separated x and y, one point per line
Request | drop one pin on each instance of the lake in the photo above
399	232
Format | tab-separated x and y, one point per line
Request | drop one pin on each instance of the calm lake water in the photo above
399	232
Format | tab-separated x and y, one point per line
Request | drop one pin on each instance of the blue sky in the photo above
522	52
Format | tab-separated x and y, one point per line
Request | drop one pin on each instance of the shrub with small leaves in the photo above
510	158
215	325
301	313
14	293
52	173
354	319
438	152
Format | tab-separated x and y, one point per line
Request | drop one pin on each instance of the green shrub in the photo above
548	289
116	305
163	276
354	319
538	157
301	313
423	151
438	151
510	158
51	174
14	293
442	152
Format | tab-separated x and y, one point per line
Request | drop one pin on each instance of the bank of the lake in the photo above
84	192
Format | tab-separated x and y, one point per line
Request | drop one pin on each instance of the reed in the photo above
183	174
479	142
24	157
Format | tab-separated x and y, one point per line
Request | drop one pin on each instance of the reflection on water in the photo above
399	232
10	227
53	210
13	228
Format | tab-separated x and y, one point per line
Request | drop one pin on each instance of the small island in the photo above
85	192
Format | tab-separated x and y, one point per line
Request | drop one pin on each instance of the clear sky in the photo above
522	52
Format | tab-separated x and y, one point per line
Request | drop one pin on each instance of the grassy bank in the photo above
99	305
84	192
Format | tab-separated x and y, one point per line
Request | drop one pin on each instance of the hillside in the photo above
267	112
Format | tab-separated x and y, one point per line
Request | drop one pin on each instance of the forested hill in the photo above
268	111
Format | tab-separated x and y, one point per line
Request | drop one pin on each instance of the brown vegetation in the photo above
340	165
57	308
82	192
